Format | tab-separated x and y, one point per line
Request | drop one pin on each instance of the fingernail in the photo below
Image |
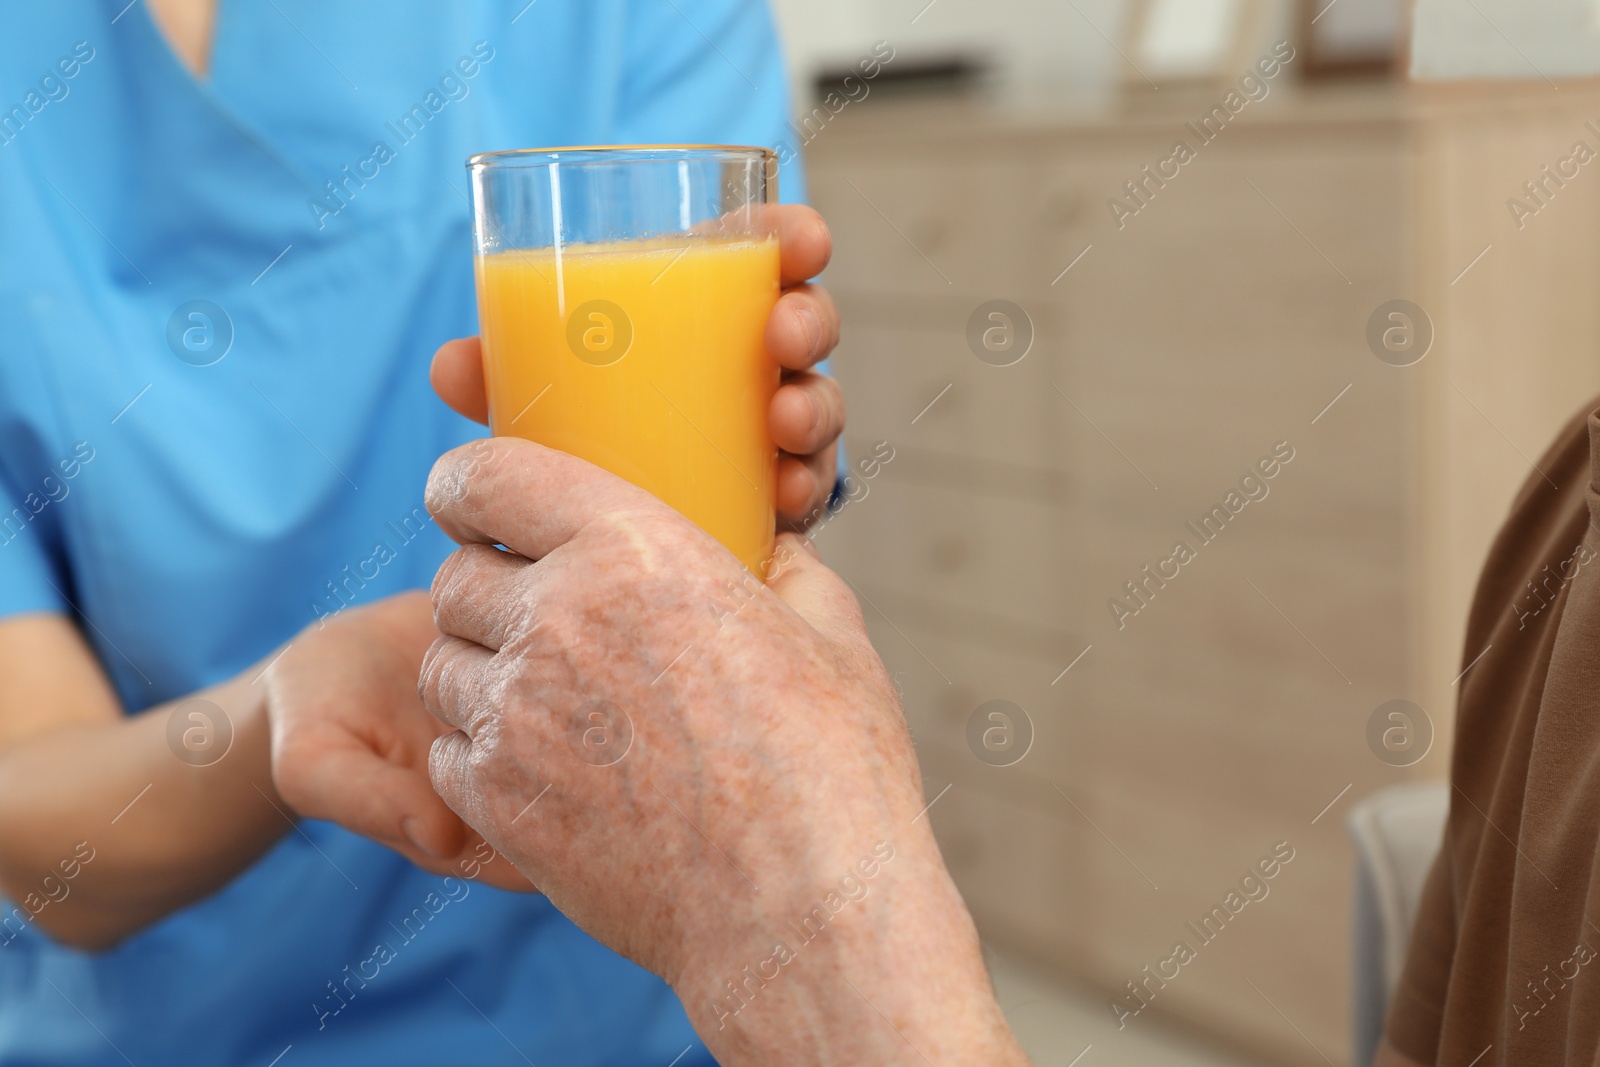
412	828
813	328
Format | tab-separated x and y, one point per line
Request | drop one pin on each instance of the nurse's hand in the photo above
697	768
807	413
350	738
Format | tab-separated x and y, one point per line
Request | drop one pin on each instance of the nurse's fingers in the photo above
457	376
805	483
532	499
479	595
806	414
804	243
454	681
803	327
345	782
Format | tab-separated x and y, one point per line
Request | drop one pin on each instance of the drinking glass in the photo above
623	297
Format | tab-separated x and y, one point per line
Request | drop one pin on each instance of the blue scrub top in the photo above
197	514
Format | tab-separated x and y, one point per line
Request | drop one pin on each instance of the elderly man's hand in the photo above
709	775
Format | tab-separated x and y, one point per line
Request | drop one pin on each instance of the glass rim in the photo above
639	153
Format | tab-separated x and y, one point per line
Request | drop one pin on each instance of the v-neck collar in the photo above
211	90
212	46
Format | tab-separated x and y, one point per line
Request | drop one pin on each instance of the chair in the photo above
1397	833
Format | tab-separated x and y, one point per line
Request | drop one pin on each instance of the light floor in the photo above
1060	1025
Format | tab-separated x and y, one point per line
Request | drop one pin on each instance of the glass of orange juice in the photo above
623	297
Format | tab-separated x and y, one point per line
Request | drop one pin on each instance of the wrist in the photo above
868	968
224	735
255	734
247	698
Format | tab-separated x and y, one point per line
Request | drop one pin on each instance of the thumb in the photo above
816	594
457	376
330	776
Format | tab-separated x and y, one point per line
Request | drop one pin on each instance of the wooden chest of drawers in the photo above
1226	319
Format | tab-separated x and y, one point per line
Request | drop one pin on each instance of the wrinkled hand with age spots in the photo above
684	759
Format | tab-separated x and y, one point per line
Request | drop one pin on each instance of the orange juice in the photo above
646	358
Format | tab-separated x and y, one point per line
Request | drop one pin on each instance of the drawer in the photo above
926	224
1239	636
944	682
1210	269
921	385
1071	226
1196	438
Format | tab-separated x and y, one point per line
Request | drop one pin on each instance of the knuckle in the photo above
833	401
456	574
824	238
445	762
444	580
446	482
521	617
430	679
462	470
830	316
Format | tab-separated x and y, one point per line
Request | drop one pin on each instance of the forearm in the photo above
894	977
105	827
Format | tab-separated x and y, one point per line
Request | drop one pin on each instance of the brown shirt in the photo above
1503	962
